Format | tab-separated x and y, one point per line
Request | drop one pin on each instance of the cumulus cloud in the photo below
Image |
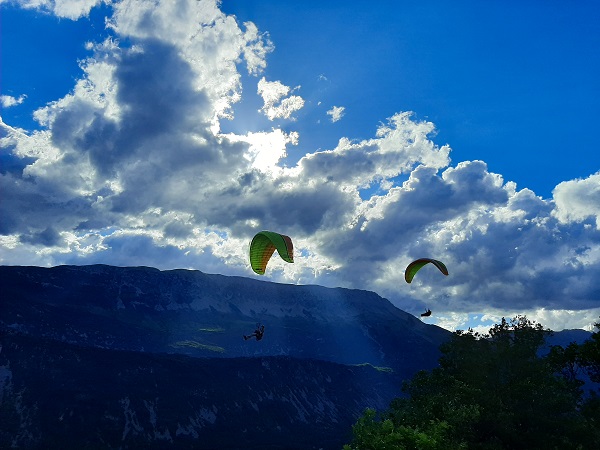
275	105
336	113
132	168
7	100
68	9
578	200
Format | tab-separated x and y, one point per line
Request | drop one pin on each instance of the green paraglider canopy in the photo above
416	265
264	244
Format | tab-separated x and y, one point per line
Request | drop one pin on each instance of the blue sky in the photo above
167	134
511	83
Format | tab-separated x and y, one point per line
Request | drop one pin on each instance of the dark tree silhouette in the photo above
490	392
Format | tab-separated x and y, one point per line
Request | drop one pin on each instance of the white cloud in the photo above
562	319
275	105
266	148
566	319
336	113
452	321
210	42
578	200
258	45
69	9
7	101
399	146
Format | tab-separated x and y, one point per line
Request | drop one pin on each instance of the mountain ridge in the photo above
122	357
171	311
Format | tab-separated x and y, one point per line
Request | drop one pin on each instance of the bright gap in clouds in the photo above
311	122
246	118
131	169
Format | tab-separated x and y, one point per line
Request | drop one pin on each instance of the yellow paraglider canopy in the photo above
416	265
264	244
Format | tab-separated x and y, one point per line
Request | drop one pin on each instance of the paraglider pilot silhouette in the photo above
258	333
416	265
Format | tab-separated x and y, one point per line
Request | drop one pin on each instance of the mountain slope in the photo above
193	313
133	357
65	396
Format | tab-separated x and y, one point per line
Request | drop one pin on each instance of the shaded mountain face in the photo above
58	395
565	337
109	357
192	313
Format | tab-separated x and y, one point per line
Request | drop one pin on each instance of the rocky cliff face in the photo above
110	357
58	395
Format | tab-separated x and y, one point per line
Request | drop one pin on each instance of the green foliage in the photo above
590	355
378	368
575	358
211	330
373	434
198	345
491	392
